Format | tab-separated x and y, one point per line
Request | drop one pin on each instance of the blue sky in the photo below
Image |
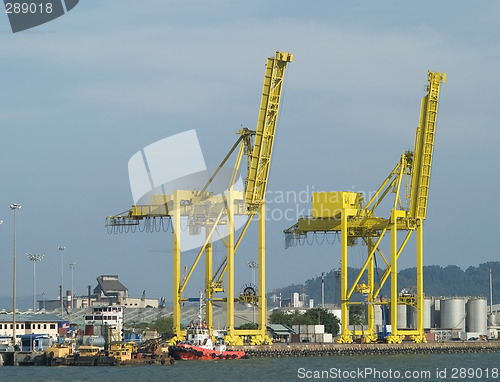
81	94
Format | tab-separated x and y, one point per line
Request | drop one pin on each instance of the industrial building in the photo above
109	291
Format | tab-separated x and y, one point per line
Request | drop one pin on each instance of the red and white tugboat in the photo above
199	345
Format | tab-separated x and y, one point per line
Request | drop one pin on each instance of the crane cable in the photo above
322	241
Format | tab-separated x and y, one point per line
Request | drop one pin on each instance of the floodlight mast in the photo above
34	258
14	207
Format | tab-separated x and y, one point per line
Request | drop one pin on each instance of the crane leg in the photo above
345	335
420	337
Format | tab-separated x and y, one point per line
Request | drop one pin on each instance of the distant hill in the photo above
438	281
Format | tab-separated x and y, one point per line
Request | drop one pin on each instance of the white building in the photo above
47	324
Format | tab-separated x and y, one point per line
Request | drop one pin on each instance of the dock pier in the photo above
315	350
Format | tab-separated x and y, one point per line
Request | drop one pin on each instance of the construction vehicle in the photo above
88	350
85	355
208	211
345	213
59	351
121	351
152	347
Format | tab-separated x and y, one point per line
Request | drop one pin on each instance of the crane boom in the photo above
260	158
424	145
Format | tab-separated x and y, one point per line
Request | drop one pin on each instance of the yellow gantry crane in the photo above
210	211
344	212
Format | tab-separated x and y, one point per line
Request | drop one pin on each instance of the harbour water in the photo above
422	367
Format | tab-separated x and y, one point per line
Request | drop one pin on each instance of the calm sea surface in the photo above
431	367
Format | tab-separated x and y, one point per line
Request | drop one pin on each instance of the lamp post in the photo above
72	266
14	207
34	258
61	249
253	265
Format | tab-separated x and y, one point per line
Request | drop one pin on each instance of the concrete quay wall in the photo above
311	350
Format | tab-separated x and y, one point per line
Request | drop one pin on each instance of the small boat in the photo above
199	346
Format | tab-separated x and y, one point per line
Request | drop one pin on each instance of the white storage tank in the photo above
402	317
436	313
378	314
428	319
412	314
492	319
477	316
412	317
453	313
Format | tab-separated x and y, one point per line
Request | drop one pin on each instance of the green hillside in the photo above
438	281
